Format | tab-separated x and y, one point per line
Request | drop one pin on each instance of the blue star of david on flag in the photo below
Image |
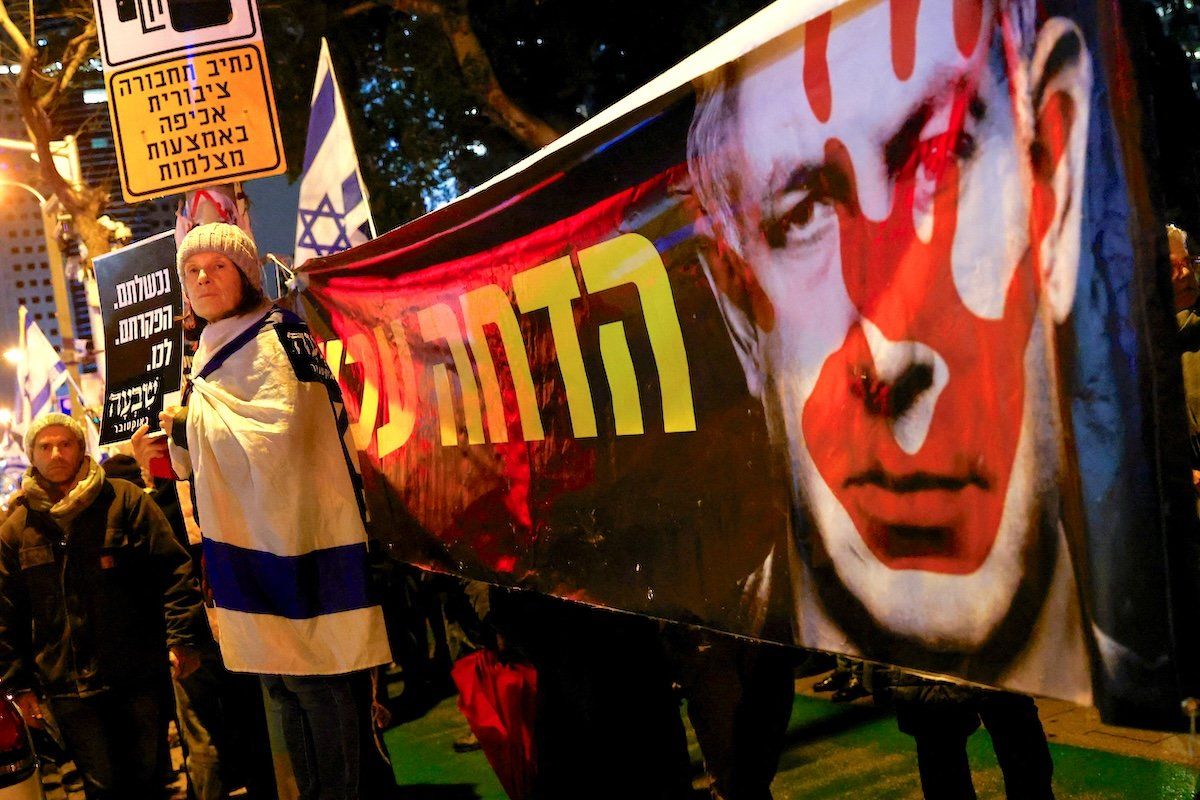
334	213
323	229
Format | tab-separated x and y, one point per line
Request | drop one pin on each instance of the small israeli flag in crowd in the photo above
334	213
40	371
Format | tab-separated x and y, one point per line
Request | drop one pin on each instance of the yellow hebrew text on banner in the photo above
466	378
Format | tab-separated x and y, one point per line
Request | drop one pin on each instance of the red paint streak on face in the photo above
940	508
968	19
904	36
816	66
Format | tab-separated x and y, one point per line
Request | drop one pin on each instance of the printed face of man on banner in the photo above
895	196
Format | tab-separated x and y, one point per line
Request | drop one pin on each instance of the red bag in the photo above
499	701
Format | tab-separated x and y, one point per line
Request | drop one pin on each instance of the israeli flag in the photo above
40	372
334	213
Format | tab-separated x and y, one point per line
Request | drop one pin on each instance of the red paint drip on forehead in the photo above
816	66
968	19
904	36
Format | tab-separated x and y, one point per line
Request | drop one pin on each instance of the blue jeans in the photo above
323	721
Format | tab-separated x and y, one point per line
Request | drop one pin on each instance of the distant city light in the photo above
93	96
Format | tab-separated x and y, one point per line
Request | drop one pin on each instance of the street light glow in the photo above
41	198
14	355
6	417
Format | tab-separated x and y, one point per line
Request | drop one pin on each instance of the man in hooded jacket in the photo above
95	591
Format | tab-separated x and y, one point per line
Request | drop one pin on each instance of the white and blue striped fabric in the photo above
278	498
334	213
40	371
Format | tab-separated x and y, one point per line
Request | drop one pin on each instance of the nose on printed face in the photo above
901	382
913	422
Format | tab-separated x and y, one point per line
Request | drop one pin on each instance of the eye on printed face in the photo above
213	285
888	219
57	454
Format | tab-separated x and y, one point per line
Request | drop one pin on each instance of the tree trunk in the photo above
455	21
36	95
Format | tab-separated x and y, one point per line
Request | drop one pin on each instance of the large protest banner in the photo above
141	303
853	316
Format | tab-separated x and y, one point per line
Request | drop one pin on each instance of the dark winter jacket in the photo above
93	605
1189	343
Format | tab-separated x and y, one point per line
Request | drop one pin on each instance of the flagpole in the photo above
21	413
78	393
341	100
58	276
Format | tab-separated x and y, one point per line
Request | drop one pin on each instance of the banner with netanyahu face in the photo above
850	321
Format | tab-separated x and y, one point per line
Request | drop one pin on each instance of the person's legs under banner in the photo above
1020	744
739	697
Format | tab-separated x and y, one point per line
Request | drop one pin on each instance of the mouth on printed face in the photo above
921	520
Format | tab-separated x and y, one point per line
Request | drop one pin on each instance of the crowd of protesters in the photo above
122	589
88	654
98	577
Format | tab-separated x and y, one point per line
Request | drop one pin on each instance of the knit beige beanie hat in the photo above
49	420
228	240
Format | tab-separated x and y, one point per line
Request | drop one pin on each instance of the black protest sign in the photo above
141	302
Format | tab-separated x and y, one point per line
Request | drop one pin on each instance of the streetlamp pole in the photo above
62	301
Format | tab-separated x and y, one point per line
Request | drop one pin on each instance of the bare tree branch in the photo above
12	31
359	8
36	93
74	54
420	8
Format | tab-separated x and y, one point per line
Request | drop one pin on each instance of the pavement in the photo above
855	751
832	752
62	782
1077	726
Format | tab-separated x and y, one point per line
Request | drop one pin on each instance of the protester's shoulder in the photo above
130	506
125	490
293	341
123	494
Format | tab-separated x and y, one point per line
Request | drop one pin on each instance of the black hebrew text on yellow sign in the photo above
195	120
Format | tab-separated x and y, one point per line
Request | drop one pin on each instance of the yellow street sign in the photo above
194	120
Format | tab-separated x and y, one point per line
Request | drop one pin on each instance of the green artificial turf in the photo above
832	753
